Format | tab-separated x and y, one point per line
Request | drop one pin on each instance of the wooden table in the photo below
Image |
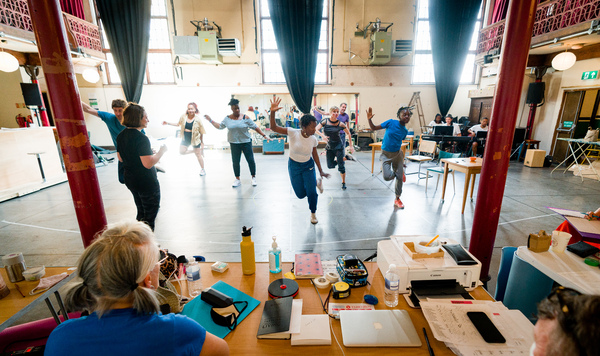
377	147
13	306
243	341
470	169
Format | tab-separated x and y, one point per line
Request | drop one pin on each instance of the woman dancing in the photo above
192	133
336	148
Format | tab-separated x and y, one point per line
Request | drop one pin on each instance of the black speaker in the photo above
535	93
31	94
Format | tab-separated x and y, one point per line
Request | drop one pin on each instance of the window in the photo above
271	62
159	67
423	59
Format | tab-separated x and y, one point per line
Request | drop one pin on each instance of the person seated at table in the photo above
117	279
456	130
567	324
483	126
437	121
593	215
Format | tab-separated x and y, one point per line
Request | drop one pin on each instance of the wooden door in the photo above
565	126
480	107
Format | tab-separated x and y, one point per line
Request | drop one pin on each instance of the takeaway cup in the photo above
560	239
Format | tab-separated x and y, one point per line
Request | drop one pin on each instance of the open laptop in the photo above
378	328
443	130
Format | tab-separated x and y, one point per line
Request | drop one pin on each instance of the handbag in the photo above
591	135
167	294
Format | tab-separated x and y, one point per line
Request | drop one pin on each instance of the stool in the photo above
37	154
527	144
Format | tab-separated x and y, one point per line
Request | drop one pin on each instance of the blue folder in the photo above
199	310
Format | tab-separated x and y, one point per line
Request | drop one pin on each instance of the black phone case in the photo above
486	328
459	254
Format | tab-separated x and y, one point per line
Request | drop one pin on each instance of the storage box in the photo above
274	147
535	158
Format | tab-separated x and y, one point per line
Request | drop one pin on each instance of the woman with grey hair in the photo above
118	276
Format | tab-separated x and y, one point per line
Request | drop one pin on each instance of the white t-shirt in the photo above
301	147
476	128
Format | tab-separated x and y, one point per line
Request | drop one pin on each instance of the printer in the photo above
392	251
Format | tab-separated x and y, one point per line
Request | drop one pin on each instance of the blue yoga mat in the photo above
199	310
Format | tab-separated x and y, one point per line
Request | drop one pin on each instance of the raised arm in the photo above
170	123
88	109
321	111
272	123
217	125
370	116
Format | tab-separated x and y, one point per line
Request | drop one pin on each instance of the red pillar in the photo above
55	56
515	49
43	113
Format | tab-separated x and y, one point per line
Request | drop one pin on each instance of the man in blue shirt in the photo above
392	157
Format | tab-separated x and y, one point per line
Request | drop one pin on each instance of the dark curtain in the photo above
500	10
127	27
73	7
451	25
297	27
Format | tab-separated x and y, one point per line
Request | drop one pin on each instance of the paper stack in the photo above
449	322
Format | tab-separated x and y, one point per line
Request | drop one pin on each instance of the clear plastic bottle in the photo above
392	282
275	257
194	281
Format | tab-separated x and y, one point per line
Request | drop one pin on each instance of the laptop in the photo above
443	130
481	134
378	328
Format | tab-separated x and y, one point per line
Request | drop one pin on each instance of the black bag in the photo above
548	161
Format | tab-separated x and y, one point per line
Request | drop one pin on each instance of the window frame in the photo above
263	51
147	72
473	52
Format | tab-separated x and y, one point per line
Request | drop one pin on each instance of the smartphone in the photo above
486	328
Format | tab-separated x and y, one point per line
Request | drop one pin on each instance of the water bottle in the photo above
275	257
247	250
392	282
194	282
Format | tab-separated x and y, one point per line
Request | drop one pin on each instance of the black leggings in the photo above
338	154
236	155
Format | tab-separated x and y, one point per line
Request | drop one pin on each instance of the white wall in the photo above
10	92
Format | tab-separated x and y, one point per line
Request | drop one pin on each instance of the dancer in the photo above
391	154
117	278
336	146
192	133
138	163
239	139
303	156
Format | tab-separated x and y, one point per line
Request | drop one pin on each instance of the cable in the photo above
325	305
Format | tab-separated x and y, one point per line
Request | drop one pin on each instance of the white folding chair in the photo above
425	153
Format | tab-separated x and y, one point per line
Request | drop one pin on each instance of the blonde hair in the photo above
112	267
334	108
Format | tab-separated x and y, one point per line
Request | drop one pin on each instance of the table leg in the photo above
473	185
445	180
372	159
465	192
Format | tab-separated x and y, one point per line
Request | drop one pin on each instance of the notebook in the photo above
378	328
308	265
314	330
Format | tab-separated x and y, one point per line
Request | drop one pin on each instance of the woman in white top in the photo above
437	121
303	156
192	133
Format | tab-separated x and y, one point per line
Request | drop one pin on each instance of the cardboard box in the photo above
535	158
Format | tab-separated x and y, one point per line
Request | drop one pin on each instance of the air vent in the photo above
402	48
229	47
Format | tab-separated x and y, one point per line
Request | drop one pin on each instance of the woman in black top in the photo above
133	149
335	147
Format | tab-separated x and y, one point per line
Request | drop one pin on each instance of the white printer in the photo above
392	251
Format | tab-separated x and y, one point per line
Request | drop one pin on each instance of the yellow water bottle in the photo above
247	248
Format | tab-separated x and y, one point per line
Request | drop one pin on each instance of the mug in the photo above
560	239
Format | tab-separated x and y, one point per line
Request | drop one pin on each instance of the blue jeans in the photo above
236	155
304	181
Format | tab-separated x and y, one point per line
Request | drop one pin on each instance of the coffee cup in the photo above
560	239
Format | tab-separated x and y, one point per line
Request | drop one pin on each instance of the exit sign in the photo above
589	75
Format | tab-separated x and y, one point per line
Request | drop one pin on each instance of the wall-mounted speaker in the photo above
31	94
535	93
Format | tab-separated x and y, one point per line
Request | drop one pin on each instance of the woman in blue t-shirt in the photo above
392	158
117	279
239	139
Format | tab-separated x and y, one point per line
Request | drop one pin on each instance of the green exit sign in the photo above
589	75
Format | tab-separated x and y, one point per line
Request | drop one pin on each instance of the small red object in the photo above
283	286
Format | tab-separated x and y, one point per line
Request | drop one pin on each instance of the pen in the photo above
19	290
429	243
428	345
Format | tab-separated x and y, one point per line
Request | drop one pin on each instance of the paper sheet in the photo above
567	212
450	324
585	225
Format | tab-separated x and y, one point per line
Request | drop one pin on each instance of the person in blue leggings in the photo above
303	157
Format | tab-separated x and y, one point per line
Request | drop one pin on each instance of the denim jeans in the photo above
304	181
236	155
147	203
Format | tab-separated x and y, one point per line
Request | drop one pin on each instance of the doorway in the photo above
579	110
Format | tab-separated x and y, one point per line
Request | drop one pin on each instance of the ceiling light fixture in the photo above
564	61
8	62
577	46
91	75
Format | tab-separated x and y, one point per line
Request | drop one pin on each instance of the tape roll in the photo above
321	282
332	277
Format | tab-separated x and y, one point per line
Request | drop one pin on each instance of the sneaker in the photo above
350	157
343	186
398	204
160	169
403	178
313	218
254	184
202	172
236	183
320	184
